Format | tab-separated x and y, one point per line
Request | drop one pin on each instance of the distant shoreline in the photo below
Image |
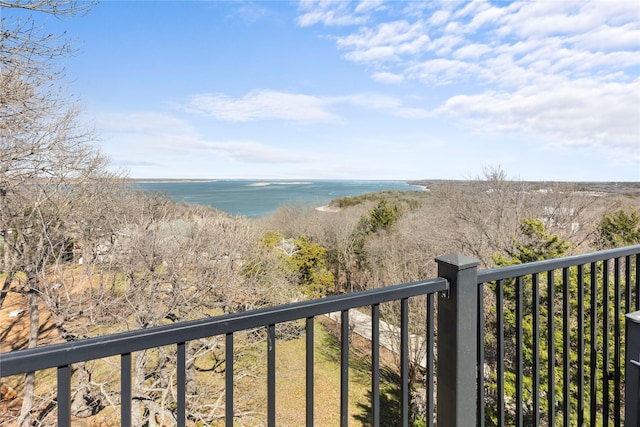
631	188
270	181
265	183
167	181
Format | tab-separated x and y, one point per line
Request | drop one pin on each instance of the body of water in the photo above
261	198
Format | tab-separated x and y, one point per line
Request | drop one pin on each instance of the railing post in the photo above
457	342
632	373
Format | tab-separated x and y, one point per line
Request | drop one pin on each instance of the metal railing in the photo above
632	372
552	334
63	356
533	344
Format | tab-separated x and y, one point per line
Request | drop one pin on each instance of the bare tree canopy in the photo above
48	164
61	7
29	73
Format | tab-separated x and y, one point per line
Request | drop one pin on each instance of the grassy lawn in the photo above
290	383
250	392
290	394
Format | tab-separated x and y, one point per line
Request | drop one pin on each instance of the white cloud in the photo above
387	104
141	122
544	19
387	42
439	17
368	6
576	113
302	108
607	38
386	77
489	15
566	70
254	152
438	72
264	104
471	51
333	13
154	139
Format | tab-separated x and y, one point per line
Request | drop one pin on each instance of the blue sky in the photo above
546	90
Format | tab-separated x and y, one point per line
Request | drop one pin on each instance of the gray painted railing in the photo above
556	322
63	356
494	353
632	383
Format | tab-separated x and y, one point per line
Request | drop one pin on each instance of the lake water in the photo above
260	198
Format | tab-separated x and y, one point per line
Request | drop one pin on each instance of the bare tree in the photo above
41	190
30	73
484	214
46	157
168	263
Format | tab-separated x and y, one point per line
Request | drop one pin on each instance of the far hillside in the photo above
622	188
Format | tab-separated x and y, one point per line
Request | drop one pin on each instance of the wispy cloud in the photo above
384	103
567	71
386	77
153	139
263	104
295	107
330	12
254	152
148	122
387	42
574	113
250	12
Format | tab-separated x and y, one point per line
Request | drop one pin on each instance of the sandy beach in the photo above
328	208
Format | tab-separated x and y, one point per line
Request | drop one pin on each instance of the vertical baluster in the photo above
500	349
566	346
344	368
535	302
125	390
404	361
617	338
310	370
519	352
480	368
228	414
593	369
605	338
64	396
375	364
637	307
628	287
581	348
551	347
430	360
181	385
271	376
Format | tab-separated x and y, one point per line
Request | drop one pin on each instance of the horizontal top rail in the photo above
21	361
519	270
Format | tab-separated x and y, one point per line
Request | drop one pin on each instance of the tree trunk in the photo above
137	406
26	418
5	287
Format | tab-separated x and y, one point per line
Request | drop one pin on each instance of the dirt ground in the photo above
14	335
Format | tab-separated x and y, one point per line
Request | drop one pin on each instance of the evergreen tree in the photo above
617	229
301	259
536	244
382	217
